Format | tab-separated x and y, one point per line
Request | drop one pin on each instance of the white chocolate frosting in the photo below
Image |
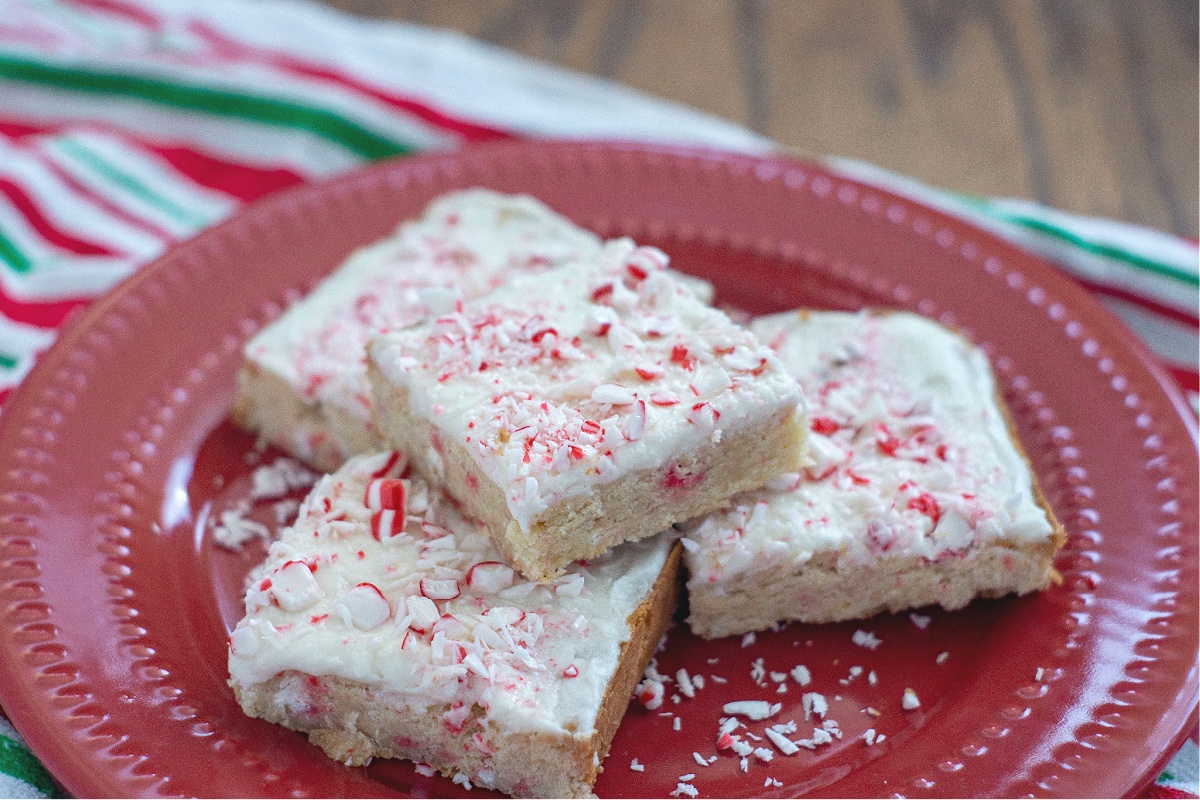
560	382
910	454
466	243
418	605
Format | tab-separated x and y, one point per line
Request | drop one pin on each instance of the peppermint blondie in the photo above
303	381
384	624
593	404
917	491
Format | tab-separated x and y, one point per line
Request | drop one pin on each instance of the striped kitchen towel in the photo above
127	125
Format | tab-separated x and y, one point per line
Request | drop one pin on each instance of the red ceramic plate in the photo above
115	604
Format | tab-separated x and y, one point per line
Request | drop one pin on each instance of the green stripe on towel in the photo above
19	763
267	110
1053	231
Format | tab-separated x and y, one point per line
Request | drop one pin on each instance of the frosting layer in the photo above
910	453
558	383
382	582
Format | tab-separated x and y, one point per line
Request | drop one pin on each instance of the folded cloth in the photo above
127	125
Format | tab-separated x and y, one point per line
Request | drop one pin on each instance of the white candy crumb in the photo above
866	639
712	662
749	639
773	782
869	736
685	683
677	724
285	511
684	789
717	679
1039	674
279	478
742	748
942	657
687	777
699	759
763	754
781	689
462	780
832	726
872	678
753	709
637	766
801	675
778	677
781	742
698	681
920	620
758	673
425	769
814	703
879	739
728	725
745	764
234	530
910	701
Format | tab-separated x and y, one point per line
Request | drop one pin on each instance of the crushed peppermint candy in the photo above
282	476
814	703
783	743
637	766
801	675
684	681
753	709
685	790
910	701
942	657
920	620
235	530
866	639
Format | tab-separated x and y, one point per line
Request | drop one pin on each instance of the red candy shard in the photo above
926	504
825	425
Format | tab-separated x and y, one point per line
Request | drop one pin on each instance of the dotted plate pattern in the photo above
114	608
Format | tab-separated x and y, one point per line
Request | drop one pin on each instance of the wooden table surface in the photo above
1087	105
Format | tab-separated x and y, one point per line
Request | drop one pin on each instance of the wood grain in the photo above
1087	105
